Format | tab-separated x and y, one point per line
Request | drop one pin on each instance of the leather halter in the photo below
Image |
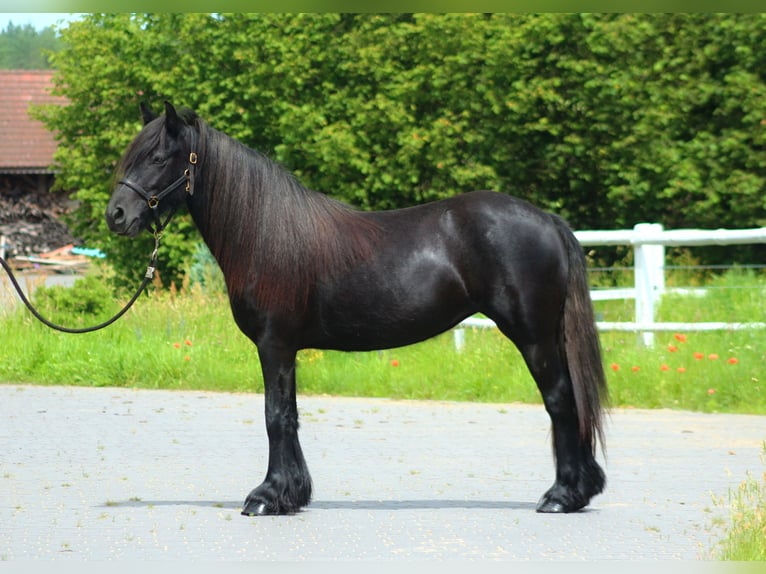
153	199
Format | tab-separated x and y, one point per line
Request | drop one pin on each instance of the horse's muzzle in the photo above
119	221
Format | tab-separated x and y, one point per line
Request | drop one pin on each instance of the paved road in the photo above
155	475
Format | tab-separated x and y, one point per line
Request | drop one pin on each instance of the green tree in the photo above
108	65
24	48
700	126
607	119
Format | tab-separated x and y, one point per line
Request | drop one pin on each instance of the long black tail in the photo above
582	345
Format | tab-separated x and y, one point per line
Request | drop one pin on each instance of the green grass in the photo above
188	340
745	537
710	372
167	340
717	371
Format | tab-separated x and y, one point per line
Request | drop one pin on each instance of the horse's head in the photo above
155	174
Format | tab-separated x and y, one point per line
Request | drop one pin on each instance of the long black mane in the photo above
272	237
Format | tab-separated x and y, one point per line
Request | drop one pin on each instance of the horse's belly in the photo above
366	333
381	312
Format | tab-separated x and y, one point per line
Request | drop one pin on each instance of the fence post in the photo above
458	337
649	261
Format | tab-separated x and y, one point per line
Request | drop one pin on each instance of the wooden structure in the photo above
29	214
26	146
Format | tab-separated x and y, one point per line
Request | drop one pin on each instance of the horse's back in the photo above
492	237
485	219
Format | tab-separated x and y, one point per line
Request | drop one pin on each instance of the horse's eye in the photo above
159	159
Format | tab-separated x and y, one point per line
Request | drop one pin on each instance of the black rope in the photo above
148	276
153	202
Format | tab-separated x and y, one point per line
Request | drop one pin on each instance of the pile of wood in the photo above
32	233
32	222
61	260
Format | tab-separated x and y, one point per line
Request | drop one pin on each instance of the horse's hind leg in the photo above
578	475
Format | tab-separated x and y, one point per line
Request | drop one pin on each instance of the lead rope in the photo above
148	276
159	226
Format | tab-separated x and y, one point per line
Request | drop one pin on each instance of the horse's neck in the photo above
198	206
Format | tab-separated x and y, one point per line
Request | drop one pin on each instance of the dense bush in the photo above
607	119
90	297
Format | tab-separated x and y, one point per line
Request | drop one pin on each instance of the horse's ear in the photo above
146	113
173	123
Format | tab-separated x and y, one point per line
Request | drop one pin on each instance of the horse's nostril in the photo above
115	217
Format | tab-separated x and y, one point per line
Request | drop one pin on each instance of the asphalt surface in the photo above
90	474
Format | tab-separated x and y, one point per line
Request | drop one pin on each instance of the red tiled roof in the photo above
26	146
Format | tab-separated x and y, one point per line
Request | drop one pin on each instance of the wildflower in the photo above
680	337
177	345
672	348
711	391
713	356
635	369
187	358
733	360
188	343
615	367
681	369
699	356
395	363
664	367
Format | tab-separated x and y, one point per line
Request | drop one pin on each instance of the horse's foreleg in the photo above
287	486
578	475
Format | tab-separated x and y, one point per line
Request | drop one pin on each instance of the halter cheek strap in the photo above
153	199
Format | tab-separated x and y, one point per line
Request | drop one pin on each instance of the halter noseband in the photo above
153	199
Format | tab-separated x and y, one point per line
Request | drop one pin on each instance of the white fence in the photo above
649	241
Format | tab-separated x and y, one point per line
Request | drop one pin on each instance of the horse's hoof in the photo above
256	508
550	507
558	501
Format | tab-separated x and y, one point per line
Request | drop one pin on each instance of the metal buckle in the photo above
193	158
153	202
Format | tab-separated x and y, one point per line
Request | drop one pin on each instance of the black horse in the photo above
305	271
